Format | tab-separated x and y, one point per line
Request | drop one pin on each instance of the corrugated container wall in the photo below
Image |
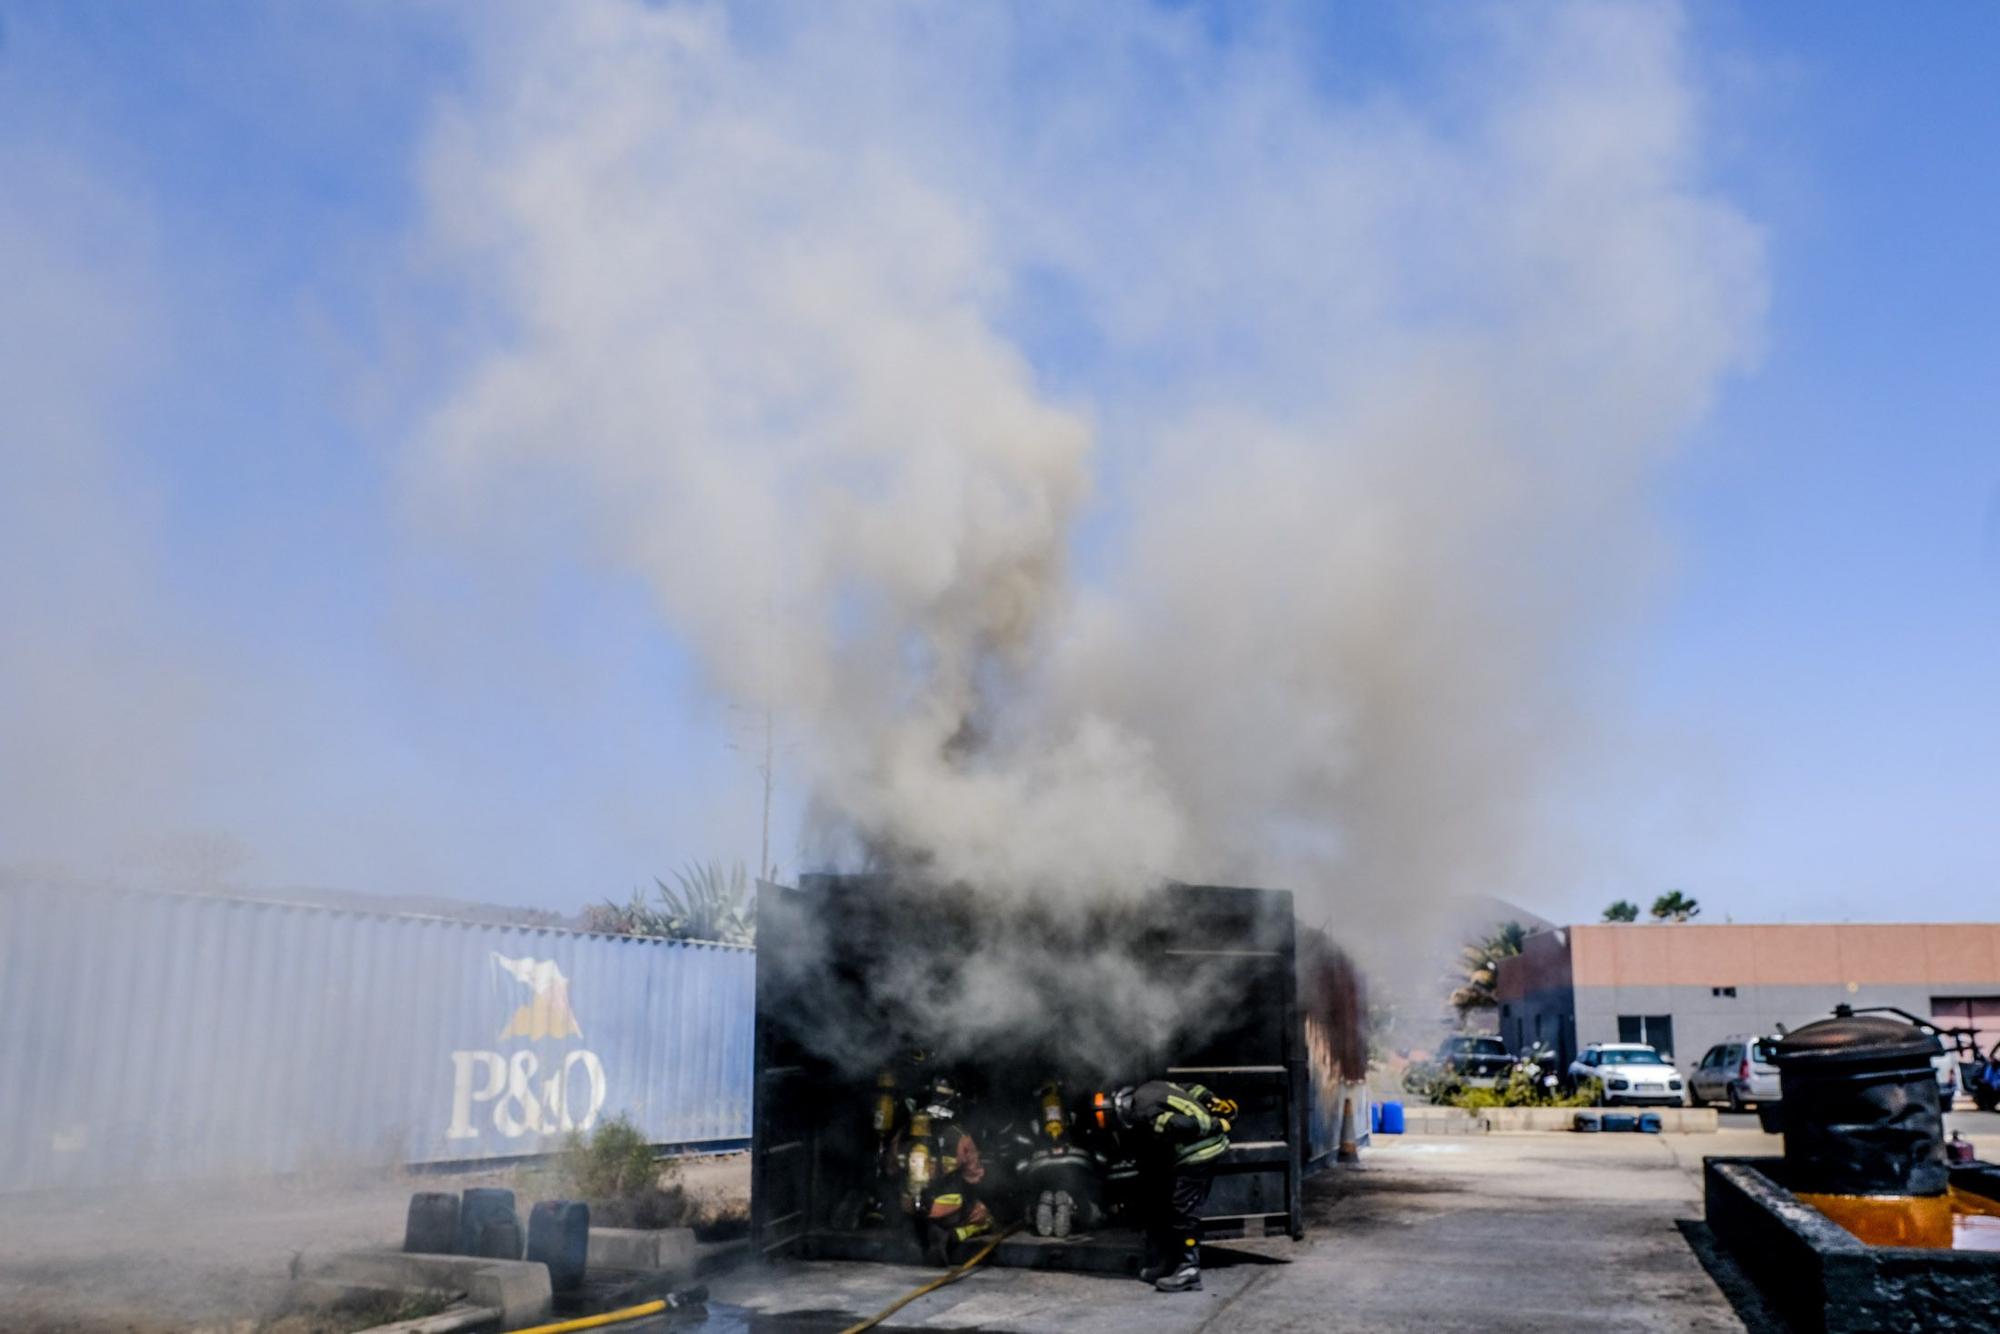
150	1036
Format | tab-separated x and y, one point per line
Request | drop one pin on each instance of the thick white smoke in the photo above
1361	397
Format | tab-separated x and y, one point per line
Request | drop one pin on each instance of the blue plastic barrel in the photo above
1375	1117
1392	1117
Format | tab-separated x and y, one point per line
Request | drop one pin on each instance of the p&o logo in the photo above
534	1089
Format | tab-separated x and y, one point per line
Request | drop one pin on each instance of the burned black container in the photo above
851	968
1860	1110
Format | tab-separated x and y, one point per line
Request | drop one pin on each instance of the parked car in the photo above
1629	1072
1737	1071
1946	1065
1480	1062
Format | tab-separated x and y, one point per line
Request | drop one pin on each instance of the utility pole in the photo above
764	854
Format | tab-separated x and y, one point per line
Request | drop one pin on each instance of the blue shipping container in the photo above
160	1036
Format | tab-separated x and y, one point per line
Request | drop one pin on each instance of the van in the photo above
1737	1071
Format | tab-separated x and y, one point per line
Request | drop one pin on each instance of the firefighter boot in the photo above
1184	1276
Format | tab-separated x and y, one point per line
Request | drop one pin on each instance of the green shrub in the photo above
615	1171
1518	1091
611	1162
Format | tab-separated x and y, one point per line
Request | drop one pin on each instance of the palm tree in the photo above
1480	961
1674	906
1624	910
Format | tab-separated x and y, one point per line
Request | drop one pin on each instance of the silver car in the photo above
1736	1071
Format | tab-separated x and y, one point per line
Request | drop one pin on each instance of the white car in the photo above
1629	1073
1946	1065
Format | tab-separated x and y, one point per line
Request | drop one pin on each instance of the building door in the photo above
1655	1030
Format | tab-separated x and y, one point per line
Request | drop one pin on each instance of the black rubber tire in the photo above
559	1237
432	1225
1736	1103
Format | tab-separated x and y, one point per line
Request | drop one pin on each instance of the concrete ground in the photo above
218	1258
1461	1233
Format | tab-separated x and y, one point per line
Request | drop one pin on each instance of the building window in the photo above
1729	992
1655	1030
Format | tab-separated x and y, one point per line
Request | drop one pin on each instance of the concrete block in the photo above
670	1248
1673	1120
518	1289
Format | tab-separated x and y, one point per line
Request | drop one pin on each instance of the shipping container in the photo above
844	964
169	1036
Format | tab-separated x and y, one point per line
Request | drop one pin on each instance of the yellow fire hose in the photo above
932	1286
618	1317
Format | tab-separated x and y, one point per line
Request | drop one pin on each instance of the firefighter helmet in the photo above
1111	1110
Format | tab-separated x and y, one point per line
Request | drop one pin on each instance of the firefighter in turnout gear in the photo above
942	1173
1178	1133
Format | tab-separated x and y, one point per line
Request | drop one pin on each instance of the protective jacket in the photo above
1172	1120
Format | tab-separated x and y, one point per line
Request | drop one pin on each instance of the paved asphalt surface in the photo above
1503	1232
1496	1232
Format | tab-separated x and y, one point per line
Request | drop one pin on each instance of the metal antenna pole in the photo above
764	855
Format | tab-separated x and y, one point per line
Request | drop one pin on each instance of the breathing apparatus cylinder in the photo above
1054	1121
884	1119
918	1163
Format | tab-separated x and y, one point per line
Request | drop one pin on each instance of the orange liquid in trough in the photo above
1956	1221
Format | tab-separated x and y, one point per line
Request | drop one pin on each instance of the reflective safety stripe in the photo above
1203	1150
946	1202
1192	1110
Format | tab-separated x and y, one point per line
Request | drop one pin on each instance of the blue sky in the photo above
1830	638
299	673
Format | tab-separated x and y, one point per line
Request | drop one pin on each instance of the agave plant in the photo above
709	904
712	904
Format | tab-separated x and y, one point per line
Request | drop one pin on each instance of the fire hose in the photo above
618	1317
936	1283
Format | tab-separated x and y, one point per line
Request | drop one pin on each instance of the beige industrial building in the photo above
1684	987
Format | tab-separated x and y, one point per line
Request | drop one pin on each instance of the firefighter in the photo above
1060	1174
1177	1133
942	1173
